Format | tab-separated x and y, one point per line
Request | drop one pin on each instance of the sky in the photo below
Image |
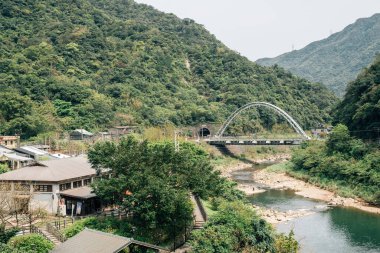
267	28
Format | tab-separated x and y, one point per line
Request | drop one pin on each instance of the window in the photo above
43	188
22	187
87	181
65	186
4	187
77	184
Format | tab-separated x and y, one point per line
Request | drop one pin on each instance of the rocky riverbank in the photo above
279	180
276	180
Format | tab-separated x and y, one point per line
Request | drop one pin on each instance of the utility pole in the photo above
176	140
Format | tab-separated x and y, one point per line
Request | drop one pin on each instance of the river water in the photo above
335	230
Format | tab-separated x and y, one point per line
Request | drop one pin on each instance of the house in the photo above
103	136
122	130
13	159
93	241
60	186
33	152
80	134
10	142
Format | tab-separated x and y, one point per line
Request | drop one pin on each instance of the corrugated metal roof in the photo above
81	192
83	131
92	241
16	157
52	171
32	150
5	150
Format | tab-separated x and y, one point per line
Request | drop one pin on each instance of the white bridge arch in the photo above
277	109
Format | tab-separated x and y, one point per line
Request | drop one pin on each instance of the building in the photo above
10	141
80	134
13	159
122	130
33	152
60	186
93	241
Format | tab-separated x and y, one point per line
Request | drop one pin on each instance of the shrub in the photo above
30	243
5	235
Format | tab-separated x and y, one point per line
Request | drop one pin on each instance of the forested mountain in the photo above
360	108
336	60
95	63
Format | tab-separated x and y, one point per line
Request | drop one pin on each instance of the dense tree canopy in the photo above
360	108
344	161
153	182
91	64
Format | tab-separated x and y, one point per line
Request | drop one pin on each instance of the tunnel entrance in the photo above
204	132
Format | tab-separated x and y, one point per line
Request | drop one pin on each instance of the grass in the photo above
282	167
208	207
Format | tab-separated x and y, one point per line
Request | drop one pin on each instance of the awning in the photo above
84	192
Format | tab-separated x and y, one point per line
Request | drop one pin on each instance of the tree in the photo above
152	181
235	228
339	140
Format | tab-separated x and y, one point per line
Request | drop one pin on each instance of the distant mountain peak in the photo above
337	59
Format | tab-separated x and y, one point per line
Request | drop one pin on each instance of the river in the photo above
335	229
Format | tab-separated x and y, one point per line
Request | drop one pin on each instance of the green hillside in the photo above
336	60
360	108
96	63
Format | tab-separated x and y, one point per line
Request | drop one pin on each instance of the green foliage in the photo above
77	227
327	61
5	235
30	243
4	168
94	64
342	161
110	225
287	243
4	248
153	181
360	108
234	228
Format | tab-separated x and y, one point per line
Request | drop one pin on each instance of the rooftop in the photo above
82	131
31	150
92	241
81	193
52	171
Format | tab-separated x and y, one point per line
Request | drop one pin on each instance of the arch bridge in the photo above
219	139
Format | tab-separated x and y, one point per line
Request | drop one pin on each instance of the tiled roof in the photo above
81	193
52	171
92	241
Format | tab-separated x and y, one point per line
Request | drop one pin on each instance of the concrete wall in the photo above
46	200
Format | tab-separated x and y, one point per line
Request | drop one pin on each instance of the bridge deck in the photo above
259	142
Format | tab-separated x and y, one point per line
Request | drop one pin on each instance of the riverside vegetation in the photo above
345	162
95	63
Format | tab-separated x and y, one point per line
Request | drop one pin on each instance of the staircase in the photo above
50	237
199	213
26	229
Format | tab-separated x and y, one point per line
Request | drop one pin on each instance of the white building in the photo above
13	159
60	186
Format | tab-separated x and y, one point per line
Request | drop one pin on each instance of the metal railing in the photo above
55	232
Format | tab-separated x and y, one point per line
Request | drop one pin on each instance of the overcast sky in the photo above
267	28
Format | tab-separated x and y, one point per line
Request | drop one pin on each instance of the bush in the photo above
235	228
77	227
30	243
5	235
4	248
287	243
